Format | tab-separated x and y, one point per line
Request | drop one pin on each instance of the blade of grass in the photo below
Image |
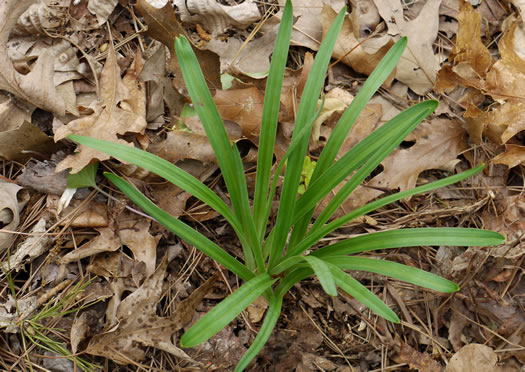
269	118
181	229
362	294
345	123
315	235
417	237
222	314
307	108
395	270
270	320
164	169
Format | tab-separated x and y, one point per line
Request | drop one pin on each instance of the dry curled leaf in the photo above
108	119
513	156
37	87
9	212
32	247
365	54
217	18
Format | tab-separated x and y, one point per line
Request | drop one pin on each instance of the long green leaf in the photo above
395	270
272	315
345	123
323	273
164	169
412	238
362	294
306	111
222	314
229	160
181	229
269	117
315	235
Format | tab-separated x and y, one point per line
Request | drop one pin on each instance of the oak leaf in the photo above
109	118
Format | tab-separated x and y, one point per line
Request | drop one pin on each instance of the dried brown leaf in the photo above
243	106
164	26
107	241
9	212
107	121
513	156
134	233
469	47
139	325
417	360
365	55
37	87
418	65
473	357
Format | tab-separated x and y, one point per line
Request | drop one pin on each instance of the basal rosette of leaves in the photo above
273	262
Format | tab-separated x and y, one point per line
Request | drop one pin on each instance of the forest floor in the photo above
69	266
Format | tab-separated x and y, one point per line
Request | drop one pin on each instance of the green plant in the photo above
274	261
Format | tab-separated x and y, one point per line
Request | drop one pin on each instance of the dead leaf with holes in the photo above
9	212
418	66
109	118
365	53
139	325
134	233
37	87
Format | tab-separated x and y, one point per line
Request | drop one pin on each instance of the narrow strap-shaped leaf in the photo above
395	270
315	235
270	116
222	314
345	123
182	230
323	273
165	169
455	236
408	120
272	315
362	294
306	111
294	145
228	159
